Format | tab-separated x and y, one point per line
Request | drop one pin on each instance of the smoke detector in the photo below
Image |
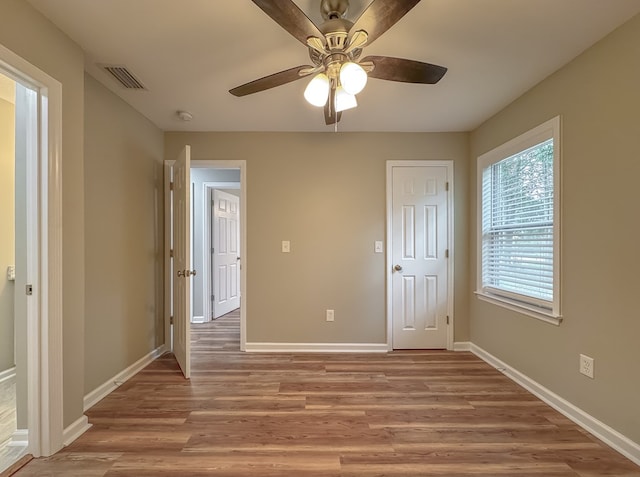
184	115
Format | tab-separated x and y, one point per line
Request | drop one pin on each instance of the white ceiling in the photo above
189	53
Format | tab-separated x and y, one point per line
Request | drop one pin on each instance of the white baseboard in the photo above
75	430
19	438
7	374
107	387
610	436
198	319
316	348
462	346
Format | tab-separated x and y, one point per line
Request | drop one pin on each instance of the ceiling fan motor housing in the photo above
334	8
336	33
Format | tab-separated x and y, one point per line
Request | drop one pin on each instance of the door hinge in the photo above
171	320
447	319
28	290
446	253
171	253
213	297
446	186
170	185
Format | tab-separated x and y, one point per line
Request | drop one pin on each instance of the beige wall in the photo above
325	192
598	97
28	34
123	235
7	231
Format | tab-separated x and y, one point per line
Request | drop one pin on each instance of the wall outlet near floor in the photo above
586	365
330	315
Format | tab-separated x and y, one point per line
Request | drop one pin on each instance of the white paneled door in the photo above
226	252
419	256
182	260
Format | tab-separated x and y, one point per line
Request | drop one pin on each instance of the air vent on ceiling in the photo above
123	76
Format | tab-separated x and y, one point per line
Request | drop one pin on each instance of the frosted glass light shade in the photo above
317	91
352	77
344	100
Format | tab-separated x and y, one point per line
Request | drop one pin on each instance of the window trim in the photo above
550	129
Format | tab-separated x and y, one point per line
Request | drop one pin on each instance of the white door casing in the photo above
226	254
170	269
419	251
44	218
181	261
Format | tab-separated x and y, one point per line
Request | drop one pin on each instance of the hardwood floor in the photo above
402	414
8	453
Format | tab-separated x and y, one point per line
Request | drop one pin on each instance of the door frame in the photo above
44	225
204	164
207	282
448	164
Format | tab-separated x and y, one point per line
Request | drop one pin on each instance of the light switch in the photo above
378	246
11	273
286	246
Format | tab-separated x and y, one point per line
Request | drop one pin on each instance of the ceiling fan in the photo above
335	48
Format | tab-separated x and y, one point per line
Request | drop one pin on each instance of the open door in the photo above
226	252
181	261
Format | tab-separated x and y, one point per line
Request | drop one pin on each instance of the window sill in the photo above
521	308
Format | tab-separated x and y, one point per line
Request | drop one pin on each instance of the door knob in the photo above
186	273
397	268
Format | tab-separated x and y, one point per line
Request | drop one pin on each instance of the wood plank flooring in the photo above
309	415
8	453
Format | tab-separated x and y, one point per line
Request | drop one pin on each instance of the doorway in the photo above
420	254
31	257
216	248
11	446
177	305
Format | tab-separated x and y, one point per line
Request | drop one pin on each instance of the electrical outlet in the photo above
330	315
286	246
586	365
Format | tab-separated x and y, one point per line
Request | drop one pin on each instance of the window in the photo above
519	223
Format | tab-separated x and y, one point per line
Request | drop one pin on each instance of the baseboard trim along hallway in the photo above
123	376
316	347
75	430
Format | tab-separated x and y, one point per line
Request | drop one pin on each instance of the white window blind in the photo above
517	225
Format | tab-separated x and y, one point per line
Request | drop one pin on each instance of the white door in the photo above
419	249
225	269
181	260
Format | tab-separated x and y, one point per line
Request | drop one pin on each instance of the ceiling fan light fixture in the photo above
317	91
352	77
344	100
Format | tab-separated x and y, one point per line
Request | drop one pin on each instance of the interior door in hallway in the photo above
226	253
182	260
419	251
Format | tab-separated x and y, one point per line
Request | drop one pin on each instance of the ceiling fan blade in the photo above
271	81
406	71
287	14
380	16
330	114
